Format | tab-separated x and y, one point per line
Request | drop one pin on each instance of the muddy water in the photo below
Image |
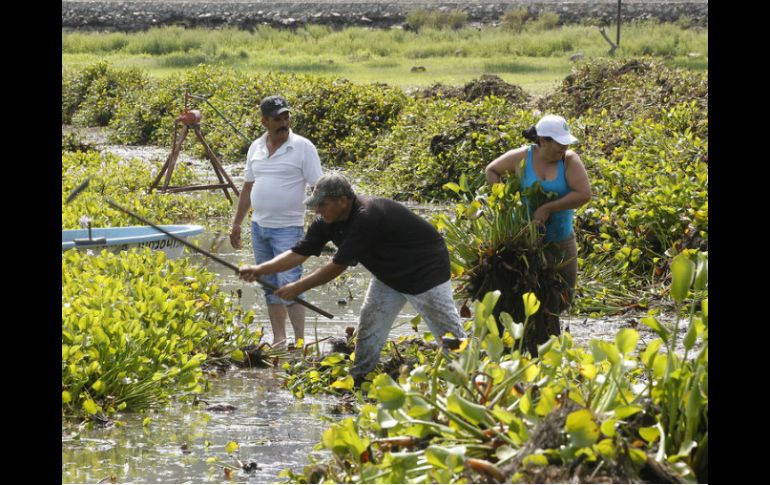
184	443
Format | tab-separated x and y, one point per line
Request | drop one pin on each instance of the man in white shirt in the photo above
279	165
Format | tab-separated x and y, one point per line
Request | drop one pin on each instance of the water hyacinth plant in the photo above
494	246
127	182
137	328
483	413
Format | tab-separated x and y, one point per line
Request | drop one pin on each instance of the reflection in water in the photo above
187	443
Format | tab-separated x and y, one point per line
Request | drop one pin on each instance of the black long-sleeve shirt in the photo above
400	248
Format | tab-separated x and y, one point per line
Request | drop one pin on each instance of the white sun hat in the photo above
556	128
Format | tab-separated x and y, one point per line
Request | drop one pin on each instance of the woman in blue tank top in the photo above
559	170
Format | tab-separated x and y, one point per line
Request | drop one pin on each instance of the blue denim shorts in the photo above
269	242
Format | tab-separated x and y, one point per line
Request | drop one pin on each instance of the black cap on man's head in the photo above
330	185
272	106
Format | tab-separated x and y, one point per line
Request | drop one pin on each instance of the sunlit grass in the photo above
534	59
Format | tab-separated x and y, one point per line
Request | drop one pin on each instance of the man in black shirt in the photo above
406	255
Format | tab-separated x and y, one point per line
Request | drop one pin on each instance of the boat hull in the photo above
116	239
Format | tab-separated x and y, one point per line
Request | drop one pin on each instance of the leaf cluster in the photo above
607	411
136	329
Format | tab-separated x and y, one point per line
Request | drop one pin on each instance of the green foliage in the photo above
514	19
643	131
323	42
136	329
651	189
628	89
547	20
439	140
494	246
159	41
314	376
90	96
71	142
127	183
476	414
435	19
343	119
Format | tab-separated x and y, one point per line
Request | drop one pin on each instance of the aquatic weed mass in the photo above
136	329
643	131
487	412
127	182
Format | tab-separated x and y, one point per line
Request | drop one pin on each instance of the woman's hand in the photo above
542	214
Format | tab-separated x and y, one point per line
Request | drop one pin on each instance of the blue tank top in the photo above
559	224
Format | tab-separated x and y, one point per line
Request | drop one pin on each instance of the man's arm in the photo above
322	275
244	203
282	262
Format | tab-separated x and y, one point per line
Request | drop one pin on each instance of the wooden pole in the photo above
215	258
617	39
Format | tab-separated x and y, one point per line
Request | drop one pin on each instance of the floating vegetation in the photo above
315	373
71	142
127	182
136	329
486	413
643	131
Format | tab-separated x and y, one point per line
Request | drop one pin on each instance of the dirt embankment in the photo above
134	15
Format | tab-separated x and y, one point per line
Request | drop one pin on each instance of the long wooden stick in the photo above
215	258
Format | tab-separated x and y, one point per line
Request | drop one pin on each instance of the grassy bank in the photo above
533	56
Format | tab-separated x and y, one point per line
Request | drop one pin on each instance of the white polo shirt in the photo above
280	180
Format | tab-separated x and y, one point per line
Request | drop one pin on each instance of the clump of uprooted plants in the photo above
494	246
628	89
490	413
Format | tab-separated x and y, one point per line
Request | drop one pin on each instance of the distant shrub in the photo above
419	19
90	96
545	21
164	41
684	22
514	19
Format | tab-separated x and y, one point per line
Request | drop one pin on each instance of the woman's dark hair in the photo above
530	134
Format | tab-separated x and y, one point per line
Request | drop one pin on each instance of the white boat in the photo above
123	238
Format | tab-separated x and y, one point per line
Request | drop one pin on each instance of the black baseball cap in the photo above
272	106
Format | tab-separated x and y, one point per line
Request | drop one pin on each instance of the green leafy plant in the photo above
494	246
605	412
128	182
137	328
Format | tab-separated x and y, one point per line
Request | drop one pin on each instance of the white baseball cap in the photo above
556	128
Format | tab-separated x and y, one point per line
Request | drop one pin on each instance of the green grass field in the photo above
536	59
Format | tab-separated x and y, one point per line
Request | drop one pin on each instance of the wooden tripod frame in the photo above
191	119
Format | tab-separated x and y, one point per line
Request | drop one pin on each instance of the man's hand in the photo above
235	237
288	292
250	273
